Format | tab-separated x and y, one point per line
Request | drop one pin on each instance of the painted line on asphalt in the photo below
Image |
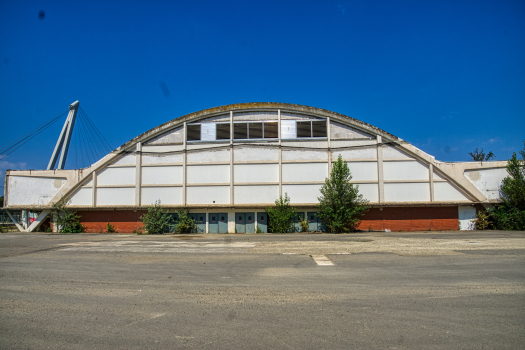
322	260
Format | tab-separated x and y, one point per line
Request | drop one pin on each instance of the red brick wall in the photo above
411	219
124	221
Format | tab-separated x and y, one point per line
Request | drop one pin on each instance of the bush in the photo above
280	217
66	218
341	207
510	215
304	226
483	220
185	224
110	228
156	220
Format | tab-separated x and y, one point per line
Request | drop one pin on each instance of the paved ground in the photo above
428	290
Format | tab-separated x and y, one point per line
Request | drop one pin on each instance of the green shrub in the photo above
483	220
305	227
156	220
110	228
341	207
66	218
280	217
185	224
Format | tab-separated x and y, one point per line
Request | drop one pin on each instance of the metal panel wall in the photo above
301	172
161	175
166	195
116	176
256	194
200	174
256	173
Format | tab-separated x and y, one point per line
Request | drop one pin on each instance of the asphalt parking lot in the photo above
431	290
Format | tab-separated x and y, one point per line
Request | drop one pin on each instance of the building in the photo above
227	164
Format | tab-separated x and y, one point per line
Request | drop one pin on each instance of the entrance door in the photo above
213	223
313	221
240	222
250	222
200	221
262	222
223	222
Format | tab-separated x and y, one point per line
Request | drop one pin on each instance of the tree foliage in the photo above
66	218
280	217
185	224
510	215
341	207
1	201
156	220
480	156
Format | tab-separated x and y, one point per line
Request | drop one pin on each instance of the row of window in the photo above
290	129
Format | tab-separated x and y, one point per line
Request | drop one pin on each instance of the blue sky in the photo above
447	76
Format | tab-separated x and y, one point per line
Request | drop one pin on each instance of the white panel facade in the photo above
222	155
488	181
391	152
208	132
407	192
129	159
445	192
256	115
437	176
467	215
302	193
370	192
304	155
356	153
166	195
302	172
288	129
162	159
26	190
172	136
208	174
405	170
363	171
116	196
255	194
208	195
256	173
253	154
84	196
161	175
340	131
116	176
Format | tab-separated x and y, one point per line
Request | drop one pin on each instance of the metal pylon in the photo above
62	145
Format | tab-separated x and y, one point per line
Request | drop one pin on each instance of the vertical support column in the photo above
184	165
94	189
232	202
380	177
138	174
431	176
329	145
280	154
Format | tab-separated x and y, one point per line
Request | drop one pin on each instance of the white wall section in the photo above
256	173
488	181
116	196
166	195
208	195
405	170
302	193
82	197
303	172
26	190
116	176
255	194
161	175
445	192
208	174
407	192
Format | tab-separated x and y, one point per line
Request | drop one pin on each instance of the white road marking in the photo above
157	247
322	260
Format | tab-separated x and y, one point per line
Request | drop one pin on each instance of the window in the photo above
271	130
255	130
193	132
240	131
311	128
223	131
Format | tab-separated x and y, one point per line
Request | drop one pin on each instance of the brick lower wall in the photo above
393	219
124	221
411	219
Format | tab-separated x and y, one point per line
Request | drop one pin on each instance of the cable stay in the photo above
90	145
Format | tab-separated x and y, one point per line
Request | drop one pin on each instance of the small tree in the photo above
156	220
341	207
510	215
66	219
480	156
110	228
185	224
281	216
